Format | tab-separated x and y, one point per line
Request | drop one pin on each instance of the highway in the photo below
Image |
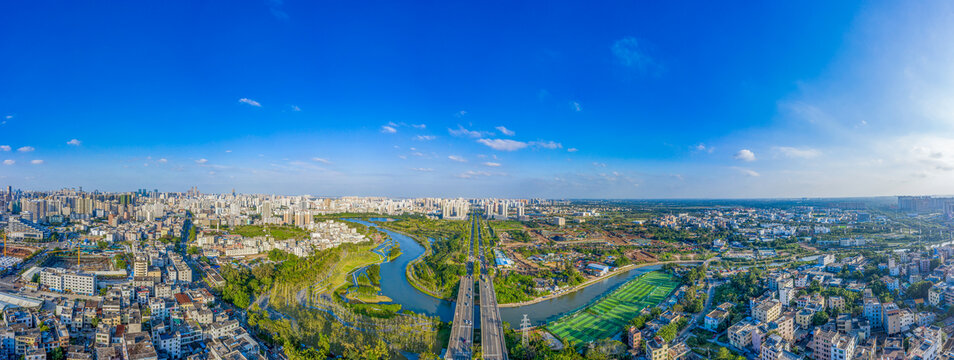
492	341
460	346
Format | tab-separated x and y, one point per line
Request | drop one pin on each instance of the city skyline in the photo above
543	100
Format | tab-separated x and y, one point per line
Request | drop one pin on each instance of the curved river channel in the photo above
394	285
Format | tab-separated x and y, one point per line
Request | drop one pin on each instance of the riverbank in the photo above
408	274
596	280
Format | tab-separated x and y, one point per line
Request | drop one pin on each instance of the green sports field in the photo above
613	312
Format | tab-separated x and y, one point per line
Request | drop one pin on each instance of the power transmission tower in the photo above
525	328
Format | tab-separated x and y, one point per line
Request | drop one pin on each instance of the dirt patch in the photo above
20	251
641	256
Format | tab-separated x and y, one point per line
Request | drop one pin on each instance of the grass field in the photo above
275	231
506	225
341	274
365	298
609	315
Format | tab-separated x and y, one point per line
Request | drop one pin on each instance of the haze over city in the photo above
533	99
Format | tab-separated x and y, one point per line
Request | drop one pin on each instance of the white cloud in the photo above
36	162
250	102
599	164
423	169
419	126
747	172
388	129
791	152
228	151
576	106
26	149
460	113
471	174
9	162
163	161
547	144
295	108
702	147
492	164
8	117
745	155
461	131
425	137
457	158
321	160
572	150
503	130
503	144
629	54
5	148
74	142
201	161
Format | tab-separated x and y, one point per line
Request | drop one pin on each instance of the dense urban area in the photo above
154	275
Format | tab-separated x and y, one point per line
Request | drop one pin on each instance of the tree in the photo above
919	290
374	274
58	354
120	262
427	355
669	332
640	321
395	251
820	318
193	250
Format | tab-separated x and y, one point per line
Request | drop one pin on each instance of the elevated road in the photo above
492	341
460	346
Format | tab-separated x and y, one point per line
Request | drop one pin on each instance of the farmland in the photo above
609	315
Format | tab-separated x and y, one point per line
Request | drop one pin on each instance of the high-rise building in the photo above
657	349
821	344
767	311
891	318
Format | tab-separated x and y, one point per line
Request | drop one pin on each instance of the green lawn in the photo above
275	231
501	225
612	313
351	261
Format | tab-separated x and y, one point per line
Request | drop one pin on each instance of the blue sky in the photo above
530	99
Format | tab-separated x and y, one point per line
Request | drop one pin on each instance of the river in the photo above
394	281
394	285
